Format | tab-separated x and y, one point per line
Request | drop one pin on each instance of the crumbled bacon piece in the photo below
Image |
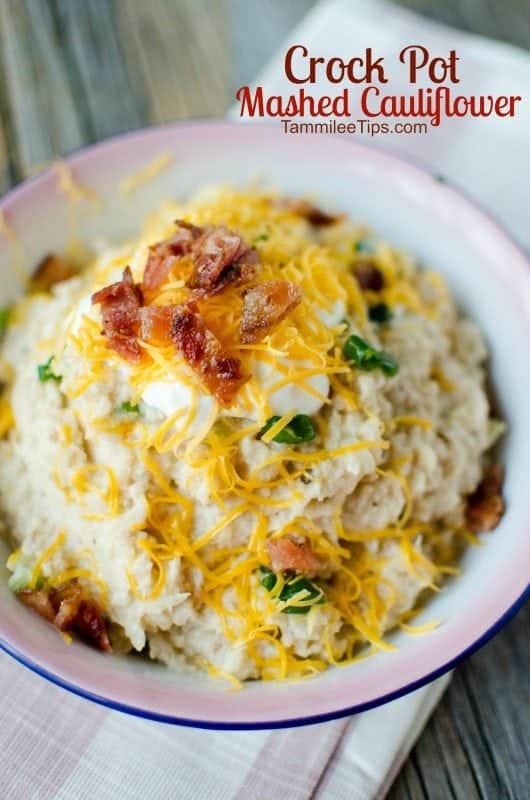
66	600
221	258
287	554
369	277
265	306
182	325
221	373
155	324
39	601
90	625
69	609
120	304
165	255
314	215
485	506
50	270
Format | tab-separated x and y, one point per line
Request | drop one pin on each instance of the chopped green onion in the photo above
262	237
363	246
296	585
17	583
5	313
128	408
346	323
380	313
268	579
21	576
299	583
299	429
45	373
388	364
366	357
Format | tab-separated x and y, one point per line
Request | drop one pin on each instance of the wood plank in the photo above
4	165
477	744
497	687
42	106
409	784
257	30
6	174
94	54
442	761
470	752
179	54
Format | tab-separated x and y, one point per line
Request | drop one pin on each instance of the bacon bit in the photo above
286	554
314	215
155	324
265	306
67	600
222	258
120	304
485	506
91	626
165	255
38	601
69	609
220	373
50	270
369	277
182	325
125	320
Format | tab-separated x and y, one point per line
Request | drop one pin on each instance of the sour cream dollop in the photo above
291	396
168	399
84	308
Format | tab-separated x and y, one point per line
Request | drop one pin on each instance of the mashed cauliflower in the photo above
284	530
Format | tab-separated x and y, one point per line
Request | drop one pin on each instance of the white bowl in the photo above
409	208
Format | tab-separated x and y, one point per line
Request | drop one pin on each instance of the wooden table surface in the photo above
75	71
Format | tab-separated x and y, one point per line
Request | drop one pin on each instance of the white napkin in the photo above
487	157
60	747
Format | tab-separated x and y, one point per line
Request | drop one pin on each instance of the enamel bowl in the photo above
409	208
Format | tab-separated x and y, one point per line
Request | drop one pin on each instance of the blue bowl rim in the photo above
313	719
296	722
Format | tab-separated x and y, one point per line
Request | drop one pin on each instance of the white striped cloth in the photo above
57	746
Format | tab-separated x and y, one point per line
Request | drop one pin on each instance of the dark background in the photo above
75	71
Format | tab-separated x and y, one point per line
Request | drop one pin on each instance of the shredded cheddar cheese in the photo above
53	548
354	599
278	426
7	419
135	181
75	194
409	420
110	495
